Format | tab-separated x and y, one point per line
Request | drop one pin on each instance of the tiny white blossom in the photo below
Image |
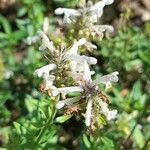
45	70
48	80
74	49
66	90
76	61
46	43
96	10
88	114
104	109
87	73
102	28
107	79
32	39
68	102
67	13
90	46
82	58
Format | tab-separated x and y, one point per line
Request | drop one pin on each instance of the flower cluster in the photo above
78	67
69	71
88	16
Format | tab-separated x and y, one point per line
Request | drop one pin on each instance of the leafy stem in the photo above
49	122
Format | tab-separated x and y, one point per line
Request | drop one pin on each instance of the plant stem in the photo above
49	122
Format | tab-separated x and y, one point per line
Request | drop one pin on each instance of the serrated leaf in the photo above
63	118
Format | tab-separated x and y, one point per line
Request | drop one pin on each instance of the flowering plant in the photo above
66	64
69	71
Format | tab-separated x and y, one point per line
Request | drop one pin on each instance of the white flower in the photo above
90	46
82	58
45	70
107	79
88	114
68	102
45	42
96	10
74	49
67	13
99	29
32	39
66	90
48	80
104	109
77	61
87	72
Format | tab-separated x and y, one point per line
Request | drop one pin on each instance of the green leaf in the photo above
14	142
86	141
20	129
63	118
139	137
106	144
5	24
31	103
22	12
136	91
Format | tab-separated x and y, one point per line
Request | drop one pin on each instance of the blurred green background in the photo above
24	109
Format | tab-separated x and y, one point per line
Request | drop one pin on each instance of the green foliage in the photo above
26	111
67	3
63	118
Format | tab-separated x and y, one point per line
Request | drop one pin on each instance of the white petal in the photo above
45	42
92	72
112	115
82	58
68	101
48	79
96	10
88	113
108	85
113	77
70	89
66	11
46	69
32	39
82	41
60	105
109	2
59	11
66	90
67	20
104	109
103	28
87	72
90	46
74	49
